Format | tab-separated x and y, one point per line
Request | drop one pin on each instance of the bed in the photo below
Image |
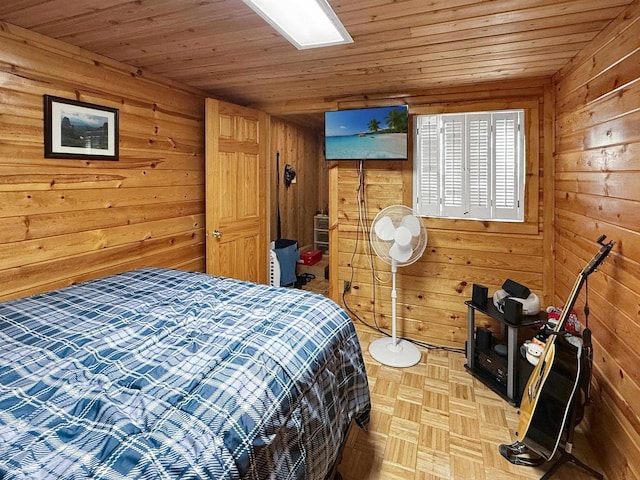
158	373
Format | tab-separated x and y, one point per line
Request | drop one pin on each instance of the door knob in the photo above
217	233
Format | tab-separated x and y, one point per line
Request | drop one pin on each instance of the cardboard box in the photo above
310	257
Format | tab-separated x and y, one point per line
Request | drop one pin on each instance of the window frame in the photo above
459	145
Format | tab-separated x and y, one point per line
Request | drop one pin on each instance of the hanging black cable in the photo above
363	222
279	225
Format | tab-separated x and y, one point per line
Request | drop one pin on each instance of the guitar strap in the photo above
586	340
586	302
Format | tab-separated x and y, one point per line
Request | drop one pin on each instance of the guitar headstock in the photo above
599	257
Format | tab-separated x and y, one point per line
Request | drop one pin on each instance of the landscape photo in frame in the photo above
79	130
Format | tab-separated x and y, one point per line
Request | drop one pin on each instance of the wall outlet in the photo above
347	286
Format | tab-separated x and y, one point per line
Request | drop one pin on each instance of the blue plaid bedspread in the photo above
157	373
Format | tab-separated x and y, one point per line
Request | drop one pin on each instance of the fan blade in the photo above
412	223
384	229
400	253
402	236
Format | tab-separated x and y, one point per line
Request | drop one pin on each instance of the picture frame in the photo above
80	130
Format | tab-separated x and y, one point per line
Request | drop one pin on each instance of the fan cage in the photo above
381	247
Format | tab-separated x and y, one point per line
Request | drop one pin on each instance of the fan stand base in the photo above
403	354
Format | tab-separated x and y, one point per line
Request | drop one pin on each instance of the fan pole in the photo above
394	311
391	351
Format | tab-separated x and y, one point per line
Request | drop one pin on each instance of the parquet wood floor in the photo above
434	421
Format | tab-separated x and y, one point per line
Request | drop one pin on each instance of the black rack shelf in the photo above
509	384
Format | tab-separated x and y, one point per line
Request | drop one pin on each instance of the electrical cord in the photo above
363	222
360	195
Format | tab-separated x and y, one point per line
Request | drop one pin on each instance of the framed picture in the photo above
78	130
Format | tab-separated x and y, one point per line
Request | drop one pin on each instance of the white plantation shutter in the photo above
506	164
479	165
453	171
428	180
470	165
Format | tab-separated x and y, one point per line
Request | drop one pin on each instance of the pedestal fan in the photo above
398	237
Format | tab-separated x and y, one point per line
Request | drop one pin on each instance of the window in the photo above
470	165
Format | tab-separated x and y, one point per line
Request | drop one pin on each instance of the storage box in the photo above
322	222
310	257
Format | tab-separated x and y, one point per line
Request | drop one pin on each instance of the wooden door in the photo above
236	191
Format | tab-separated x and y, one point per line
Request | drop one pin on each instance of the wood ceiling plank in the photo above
222	49
466	95
372	55
456	54
100	31
510	14
474	14
37	14
372	85
404	67
368	9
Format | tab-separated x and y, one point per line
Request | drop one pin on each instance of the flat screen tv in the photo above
378	133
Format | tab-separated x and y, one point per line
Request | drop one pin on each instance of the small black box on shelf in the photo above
512	311
494	365
479	295
484	338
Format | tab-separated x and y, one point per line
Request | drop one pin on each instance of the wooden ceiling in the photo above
400	46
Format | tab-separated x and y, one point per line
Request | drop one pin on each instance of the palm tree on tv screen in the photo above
374	125
397	121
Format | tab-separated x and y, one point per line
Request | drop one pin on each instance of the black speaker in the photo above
512	311
515	289
479	295
483	338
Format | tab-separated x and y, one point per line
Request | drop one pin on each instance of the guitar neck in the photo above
598	258
571	301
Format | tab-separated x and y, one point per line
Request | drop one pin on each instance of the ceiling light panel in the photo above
305	23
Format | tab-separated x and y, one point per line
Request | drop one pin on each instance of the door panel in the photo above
249	203
237	180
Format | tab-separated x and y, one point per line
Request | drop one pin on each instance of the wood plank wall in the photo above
63	221
431	292
597	191
301	147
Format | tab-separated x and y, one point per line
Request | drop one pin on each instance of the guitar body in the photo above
548	397
557	381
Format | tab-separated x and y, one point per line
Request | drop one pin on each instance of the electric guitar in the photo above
548	397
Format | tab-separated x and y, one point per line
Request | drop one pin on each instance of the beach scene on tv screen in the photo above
368	133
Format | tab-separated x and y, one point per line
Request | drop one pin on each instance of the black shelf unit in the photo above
510	384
